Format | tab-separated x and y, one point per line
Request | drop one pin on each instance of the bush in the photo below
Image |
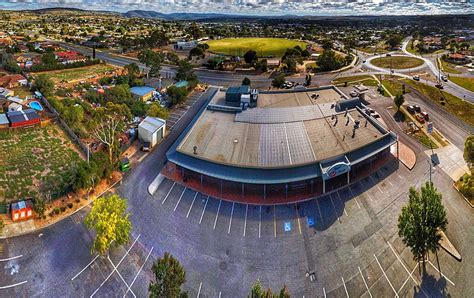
63	209
69	205
56	210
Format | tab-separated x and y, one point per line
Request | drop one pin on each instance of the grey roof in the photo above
3	119
25	115
152	124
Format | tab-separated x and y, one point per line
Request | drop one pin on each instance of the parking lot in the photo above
178	112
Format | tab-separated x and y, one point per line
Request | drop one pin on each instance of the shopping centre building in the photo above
276	147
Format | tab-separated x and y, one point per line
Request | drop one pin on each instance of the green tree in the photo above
328	61
169	277
185	71
246	81
1	226
250	57
394	40
48	58
422	220
44	85
327	45
258	291
118	94
399	100
153	60
308	79
39	207
176	95
196	52
278	81
132	69
469	152
156	110
111	223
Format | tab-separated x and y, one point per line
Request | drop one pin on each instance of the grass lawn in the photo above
35	161
80	73
22	92
452	104
379	48
394	86
448	67
263	46
411	48
467	83
365	79
397	62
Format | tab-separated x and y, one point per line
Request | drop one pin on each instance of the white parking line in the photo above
440	272
245	222
260	222
139	270
334	206
12	258
343	206
87	266
120	262
324	292
199	291
13	285
406	280
120	275
192	203
220	294
355	198
404	267
378	187
164	200
217	214
204	209
274	222
391	185
179	200
365	283
396	294
345	289
319	209
231	214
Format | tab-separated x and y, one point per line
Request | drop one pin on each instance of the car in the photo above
411	109
146	147
364	61
353	94
444	78
417	108
425	116
388	55
416	78
420	118
439	86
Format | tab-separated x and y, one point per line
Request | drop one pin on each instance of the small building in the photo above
143	93
314	56
23	118
4	93
185	45
233	95
21	210
273	63
4	123
14	107
13	81
67	57
152	130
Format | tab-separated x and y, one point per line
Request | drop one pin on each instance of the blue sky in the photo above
261	7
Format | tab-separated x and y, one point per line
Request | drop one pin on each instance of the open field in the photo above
452	104
449	67
365	79
394	86
467	83
379	48
35	161
263	46
397	62
75	74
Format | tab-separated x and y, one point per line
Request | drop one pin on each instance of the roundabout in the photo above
400	63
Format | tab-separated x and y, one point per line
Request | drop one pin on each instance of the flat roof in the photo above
280	137
152	124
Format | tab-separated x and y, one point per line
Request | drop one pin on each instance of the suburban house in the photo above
13	81
67	57
4	93
143	93
4	123
185	45
457	58
23	118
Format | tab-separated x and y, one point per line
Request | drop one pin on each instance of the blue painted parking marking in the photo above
310	221
287	226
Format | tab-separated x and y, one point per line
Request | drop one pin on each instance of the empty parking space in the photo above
286	220
222	219
268	225
238	222
328	210
210	213
310	215
356	286
253	223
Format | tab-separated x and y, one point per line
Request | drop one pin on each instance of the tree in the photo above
118	93
177	95
399	100
156	110
246	81
394	40
44	85
185	71
469	152
328	61
152	60
111	223
39	207
132	69
169	277
196	52
48	58
327	45
258	291
1	226
278	81
422	220
308	79
194	30
250	57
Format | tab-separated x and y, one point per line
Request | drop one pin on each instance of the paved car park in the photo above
178	112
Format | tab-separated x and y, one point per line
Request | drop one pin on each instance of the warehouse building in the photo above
293	145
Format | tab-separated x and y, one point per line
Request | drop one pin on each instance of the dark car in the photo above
439	86
146	146
417	108
411	109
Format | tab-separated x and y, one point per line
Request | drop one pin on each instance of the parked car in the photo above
444	78
425	115
420	118
417	108
388	55
411	109
416	78
146	147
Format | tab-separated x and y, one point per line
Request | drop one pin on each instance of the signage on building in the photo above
336	170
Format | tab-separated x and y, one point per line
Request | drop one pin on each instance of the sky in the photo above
261	7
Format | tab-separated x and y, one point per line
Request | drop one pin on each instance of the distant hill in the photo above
177	16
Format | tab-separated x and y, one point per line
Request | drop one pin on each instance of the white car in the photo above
353	94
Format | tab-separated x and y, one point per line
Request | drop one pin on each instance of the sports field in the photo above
397	62
265	47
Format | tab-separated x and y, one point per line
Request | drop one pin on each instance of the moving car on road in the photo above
444	78
416	78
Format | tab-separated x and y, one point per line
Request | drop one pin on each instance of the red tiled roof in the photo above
10	79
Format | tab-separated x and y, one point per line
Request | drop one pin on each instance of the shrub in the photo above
63	209
56	210
69	205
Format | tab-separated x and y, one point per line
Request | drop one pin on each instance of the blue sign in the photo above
336	170
429	127
287	226
310	221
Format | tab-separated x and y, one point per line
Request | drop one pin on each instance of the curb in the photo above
62	218
465	199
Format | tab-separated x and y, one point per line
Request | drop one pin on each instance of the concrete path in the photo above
450	160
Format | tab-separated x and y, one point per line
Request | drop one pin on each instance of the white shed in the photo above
152	130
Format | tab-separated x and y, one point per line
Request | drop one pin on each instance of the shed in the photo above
21	210
23	118
152	130
142	92
4	123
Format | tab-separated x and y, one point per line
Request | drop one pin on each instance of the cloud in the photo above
261	7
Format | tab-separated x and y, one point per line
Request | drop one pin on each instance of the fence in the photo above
64	125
